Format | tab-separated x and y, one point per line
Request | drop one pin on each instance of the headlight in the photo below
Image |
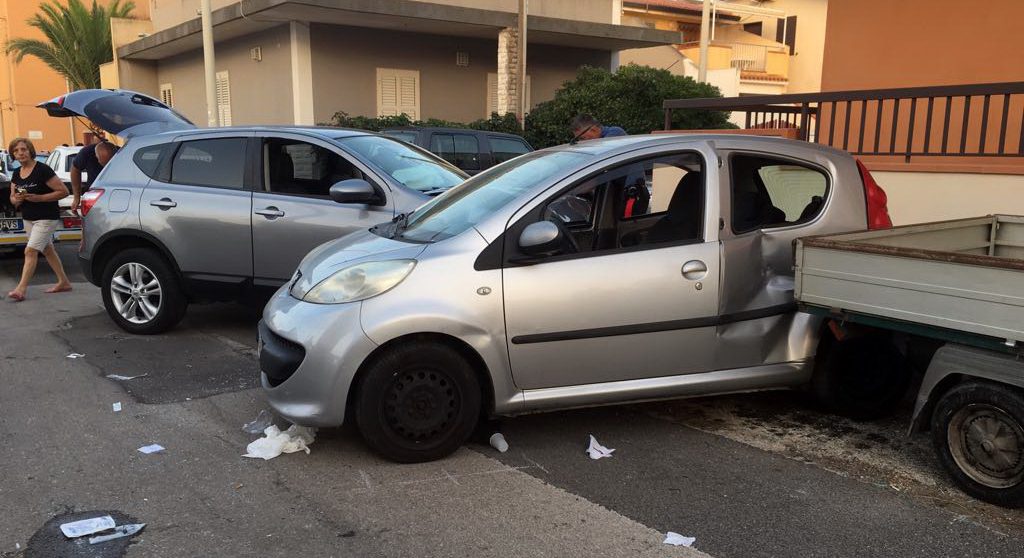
357	282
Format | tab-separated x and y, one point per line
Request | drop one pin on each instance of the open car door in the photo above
119	112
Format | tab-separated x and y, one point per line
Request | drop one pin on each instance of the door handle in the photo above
270	212
164	203
695	270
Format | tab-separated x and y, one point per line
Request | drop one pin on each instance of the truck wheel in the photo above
861	377
141	292
418	402
978	434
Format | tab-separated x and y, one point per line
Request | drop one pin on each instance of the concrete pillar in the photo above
508	79
302	74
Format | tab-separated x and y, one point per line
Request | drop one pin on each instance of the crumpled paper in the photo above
675	539
596	450
274	442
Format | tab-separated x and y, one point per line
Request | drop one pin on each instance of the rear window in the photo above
148	159
213	162
504	149
461	150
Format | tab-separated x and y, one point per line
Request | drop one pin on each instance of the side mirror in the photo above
540	239
355	190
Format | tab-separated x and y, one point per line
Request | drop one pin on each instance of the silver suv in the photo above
183	214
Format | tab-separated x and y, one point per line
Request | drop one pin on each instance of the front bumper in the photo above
313	352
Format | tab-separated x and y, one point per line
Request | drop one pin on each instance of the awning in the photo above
251	16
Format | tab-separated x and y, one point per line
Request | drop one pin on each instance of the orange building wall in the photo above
885	43
24	85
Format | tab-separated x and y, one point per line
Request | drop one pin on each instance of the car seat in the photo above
682	220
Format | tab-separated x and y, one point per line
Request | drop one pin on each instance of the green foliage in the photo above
630	98
77	39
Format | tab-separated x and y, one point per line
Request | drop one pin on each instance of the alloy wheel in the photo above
136	293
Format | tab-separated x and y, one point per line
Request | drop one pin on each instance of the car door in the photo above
618	306
200	209
459	149
292	209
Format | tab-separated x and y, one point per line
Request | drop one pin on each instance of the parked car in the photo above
181	214
614	270
60	160
470	150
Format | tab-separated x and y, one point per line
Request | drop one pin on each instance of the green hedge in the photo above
630	98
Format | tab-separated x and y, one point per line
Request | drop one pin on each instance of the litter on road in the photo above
263	420
117	407
119	532
498	442
675	539
89	526
120	378
275	442
152	448
76	355
596	450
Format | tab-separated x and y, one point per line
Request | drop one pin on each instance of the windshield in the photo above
482	195
408	165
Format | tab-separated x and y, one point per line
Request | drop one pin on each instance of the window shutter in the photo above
492	94
223	99
398	92
167	94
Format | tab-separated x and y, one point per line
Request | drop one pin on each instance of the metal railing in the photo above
747	57
978	120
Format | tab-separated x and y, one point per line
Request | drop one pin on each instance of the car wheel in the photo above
141	292
978	434
418	402
860	377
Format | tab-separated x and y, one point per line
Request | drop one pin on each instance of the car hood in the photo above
361	246
118	111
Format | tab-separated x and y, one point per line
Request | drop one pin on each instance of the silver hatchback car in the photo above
184	214
614	270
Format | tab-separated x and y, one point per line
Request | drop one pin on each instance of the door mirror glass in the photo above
540	238
355	190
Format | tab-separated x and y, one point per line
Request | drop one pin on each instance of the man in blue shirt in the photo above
585	127
90	160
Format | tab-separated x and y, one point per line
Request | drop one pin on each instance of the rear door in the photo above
200	208
505	148
119	112
459	149
292	209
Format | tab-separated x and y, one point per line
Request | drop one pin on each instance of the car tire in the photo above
978	434
861	378
143	277
417	402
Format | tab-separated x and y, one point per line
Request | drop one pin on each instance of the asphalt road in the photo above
750	475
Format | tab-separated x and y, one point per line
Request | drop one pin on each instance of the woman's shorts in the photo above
40	233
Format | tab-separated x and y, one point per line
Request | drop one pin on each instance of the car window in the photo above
485	193
212	162
305	169
769	192
461	150
637	204
148	159
69	161
406	164
407	137
504	149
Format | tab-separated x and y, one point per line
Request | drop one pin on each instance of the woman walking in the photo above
35	189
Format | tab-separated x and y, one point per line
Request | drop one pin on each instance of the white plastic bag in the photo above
274	442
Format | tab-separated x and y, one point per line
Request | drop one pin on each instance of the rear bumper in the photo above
86	265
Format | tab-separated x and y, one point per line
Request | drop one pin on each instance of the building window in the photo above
398	92
492	94
223	99
167	94
785	32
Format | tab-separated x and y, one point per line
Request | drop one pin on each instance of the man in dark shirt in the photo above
90	160
585	127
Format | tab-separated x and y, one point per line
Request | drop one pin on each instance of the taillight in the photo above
89	199
878	212
72	222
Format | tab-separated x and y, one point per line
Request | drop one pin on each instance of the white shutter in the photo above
398	92
223	99
167	94
492	94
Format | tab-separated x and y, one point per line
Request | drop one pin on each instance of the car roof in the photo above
328	132
610	145
452	130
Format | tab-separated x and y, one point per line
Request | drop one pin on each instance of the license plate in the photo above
11	225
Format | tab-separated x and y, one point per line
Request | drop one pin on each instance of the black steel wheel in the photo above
418	402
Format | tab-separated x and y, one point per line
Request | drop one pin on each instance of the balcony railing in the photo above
979	120
748	57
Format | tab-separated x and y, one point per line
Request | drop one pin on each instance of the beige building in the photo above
291	62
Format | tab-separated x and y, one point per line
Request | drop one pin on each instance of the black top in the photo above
87	162
36	184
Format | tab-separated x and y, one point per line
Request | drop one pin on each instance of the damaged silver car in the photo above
615	270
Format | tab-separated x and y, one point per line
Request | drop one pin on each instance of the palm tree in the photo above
77	39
